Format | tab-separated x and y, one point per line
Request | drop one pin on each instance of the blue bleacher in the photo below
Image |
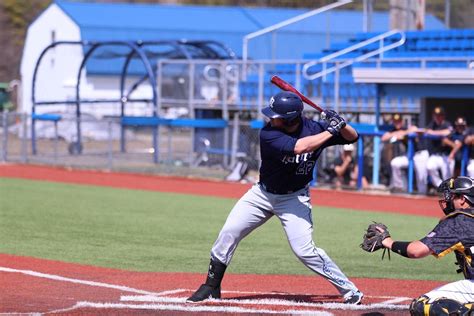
360	97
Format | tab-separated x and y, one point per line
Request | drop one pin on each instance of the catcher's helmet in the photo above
285	105
461	186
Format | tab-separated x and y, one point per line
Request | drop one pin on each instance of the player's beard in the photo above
291	125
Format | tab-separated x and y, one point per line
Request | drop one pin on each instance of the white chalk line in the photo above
16	313
167	300
273	302
397	300
84	282
190	308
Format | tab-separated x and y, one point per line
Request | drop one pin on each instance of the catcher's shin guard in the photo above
439	307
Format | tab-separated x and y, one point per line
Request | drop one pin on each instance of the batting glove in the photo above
335	121
328	114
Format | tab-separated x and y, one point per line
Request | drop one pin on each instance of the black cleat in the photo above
205	292
354	299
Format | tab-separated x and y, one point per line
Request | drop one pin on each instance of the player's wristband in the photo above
401	247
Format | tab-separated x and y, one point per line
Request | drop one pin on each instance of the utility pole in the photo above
447	13
368	11
407	14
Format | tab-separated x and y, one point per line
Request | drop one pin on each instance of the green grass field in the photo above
153	231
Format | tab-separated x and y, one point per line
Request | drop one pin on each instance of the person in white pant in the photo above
438	160
455	141
397	137
469	141
454	233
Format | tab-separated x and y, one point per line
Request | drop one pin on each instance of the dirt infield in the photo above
32	285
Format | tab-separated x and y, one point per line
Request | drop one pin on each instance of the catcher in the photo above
455	232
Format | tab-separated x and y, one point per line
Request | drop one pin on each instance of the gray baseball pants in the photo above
294	211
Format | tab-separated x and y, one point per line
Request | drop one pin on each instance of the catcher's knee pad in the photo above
439	307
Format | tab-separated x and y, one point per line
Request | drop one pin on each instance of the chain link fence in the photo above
182	150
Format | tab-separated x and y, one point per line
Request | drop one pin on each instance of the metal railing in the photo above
420	62
349	61
290	21
412	138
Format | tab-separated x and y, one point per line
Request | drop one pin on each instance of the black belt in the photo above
273	191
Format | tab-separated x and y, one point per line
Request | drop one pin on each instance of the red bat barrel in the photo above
285	86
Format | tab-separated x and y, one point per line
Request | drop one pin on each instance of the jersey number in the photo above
305	167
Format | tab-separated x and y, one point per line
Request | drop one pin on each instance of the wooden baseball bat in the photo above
285	86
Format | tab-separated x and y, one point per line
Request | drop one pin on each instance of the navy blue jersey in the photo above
282	170
435	145
399	147
456	136
471	149
454	233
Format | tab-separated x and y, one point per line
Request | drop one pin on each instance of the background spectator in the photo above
397	139
455	141
438	159
344	171
344	167
470	142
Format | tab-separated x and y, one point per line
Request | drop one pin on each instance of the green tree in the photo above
15	16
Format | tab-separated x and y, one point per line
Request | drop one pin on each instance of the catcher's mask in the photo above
452	187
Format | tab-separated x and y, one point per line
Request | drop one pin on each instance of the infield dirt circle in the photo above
37	286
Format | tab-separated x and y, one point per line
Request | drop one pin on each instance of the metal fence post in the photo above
56	139
235	140
360	162
376	161
110	147
24	137
225	111
170	145
192	113
336	87
464	160
5	135
411	153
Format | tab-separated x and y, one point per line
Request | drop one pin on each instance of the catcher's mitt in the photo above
374	236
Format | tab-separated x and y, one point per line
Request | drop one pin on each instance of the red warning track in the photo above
424	206
31	285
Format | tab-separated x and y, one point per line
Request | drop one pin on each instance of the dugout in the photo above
454	107
457	99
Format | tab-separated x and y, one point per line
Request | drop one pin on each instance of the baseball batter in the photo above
290	145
